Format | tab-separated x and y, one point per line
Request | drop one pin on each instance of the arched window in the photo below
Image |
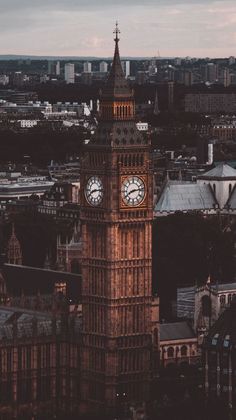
183	351
170	352
206	306
222	299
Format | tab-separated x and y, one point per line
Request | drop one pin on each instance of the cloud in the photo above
84	27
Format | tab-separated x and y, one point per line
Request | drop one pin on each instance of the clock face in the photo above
133	191
94	191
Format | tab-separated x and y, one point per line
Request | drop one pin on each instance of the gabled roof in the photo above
185	196
176	331
221	171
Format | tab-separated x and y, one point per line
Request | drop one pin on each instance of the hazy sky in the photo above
84	27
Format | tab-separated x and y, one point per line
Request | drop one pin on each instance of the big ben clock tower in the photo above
116	215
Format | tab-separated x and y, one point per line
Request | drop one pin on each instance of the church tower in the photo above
14	253
116	217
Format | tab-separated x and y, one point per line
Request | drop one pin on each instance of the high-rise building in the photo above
58	68
178	61
87	67
126	68
210	72
54	67
188	78
69	73
103	67
119	353
226	80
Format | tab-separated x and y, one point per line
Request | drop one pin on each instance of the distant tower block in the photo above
156	110
69	73
103	67
14	253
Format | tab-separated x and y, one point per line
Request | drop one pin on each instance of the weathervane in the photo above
116	32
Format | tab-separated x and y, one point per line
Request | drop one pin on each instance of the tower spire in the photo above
117	33
117	99
14	253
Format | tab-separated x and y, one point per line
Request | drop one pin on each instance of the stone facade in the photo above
39	365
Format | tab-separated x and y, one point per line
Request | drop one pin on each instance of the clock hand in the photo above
134	190
94	191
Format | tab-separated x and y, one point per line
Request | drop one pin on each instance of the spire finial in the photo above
116	32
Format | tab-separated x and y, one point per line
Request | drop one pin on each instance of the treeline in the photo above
187	248
40	145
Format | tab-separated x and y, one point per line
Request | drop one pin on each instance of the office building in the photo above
69	73
103	67
87	67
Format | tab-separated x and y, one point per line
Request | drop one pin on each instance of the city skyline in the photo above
78	28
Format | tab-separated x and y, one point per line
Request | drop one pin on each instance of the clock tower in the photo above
119	337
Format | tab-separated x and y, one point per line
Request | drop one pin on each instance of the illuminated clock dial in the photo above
94	191
133	191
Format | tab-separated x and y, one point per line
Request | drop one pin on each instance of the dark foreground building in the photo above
219	351
39	365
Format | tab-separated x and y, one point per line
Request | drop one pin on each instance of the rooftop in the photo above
26	323
176	331
221	171
223	332
185	196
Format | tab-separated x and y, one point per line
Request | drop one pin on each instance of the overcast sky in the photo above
196	28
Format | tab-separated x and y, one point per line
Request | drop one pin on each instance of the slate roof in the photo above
221	171
222	335
27	323
31	281
176	331
185	196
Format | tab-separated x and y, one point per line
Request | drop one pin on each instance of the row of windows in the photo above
132	243
119	112
37	357
131	361
171	351
44	390
131	160
226	298
131	282
129	320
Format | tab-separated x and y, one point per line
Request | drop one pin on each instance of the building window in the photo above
170	352
230	189
183	351
222	299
